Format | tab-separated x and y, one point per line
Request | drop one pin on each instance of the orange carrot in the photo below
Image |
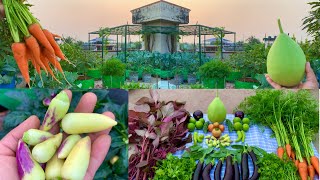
46	64
303	170
52	59
280	152
54	44
55	35
293	155
296	163
288	149
311	172
20	55
37	32
34	47
315	163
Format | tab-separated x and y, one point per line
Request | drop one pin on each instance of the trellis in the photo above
183	30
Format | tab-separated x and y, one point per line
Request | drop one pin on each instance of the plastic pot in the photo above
214	83
113	81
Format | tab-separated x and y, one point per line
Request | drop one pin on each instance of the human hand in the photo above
2	15
100	141
311	80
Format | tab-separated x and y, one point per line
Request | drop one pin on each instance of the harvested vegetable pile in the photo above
294	119
155	129
31	41
66	159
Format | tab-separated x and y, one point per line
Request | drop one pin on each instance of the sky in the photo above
76	18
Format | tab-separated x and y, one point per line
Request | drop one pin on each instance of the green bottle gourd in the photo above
286	61
217	112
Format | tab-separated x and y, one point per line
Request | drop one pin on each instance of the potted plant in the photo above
147	70
134	73
113	71
214	74
234	63
93	71
178	77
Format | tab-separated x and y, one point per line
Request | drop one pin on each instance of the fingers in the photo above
87	103
69	93
94	136
99	150
273	84
309	73
2	15
10	141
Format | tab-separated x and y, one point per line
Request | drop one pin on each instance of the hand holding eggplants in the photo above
72	158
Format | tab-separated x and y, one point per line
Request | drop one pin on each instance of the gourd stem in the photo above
280	27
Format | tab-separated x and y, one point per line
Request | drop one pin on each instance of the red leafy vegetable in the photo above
155	129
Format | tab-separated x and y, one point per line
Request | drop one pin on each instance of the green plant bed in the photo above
113	81
94	73
246	83
166	74
233	76
127	74
140	73
156	72
214	83
185	74
85	84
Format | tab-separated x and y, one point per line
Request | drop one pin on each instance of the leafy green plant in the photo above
174	168
214	69
135	85
5	79
82	59
49	82
113	67
251	61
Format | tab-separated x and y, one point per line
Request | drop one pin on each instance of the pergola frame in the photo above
183	30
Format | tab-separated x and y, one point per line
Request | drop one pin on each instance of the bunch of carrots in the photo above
302	155
31	41
294	120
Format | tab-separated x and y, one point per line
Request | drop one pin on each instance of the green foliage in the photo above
5	79
82	59
113	67
174	168
311	22
197	86
49	82
5	40
251	61
311	49
214	69
135	85
272	167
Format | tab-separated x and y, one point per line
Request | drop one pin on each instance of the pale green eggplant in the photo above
58	108
44	151
76	164
53	168
78	123
35	136
67	145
